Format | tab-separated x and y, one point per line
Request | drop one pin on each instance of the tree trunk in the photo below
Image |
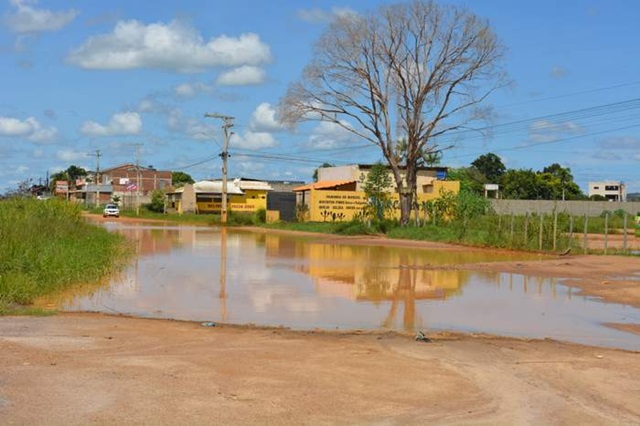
406	198
406	190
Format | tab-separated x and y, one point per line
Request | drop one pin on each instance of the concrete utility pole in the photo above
97	155
228	123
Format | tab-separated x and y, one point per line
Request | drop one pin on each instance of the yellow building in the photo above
243	196
339	196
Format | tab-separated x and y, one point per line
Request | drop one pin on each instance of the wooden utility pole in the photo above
228	123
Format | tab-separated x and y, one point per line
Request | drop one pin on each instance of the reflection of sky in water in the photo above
281	281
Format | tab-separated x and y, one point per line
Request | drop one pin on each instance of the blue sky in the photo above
80	76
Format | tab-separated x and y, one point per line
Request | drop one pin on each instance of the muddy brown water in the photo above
240	277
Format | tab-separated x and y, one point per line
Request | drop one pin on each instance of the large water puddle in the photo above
229	276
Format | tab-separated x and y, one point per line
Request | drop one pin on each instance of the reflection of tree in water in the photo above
404	292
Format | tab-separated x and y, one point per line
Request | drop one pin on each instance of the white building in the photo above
611	190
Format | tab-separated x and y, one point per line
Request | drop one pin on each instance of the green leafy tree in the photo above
417	70
70	175
376	187
62	175
519	185
180	179
491	166
470	178
563	183
75	172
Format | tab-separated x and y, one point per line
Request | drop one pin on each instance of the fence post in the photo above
624	239
570	231
540	235
606	232
511	234
526	229
586	228
555	229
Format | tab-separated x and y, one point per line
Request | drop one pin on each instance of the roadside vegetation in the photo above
467	218
46	247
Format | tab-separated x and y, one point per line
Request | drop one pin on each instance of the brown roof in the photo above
325	184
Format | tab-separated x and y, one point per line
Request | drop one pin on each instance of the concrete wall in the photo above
283	202
577	208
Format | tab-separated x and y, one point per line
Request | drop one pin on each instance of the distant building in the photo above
129	178
339	195
243	195
357	173
611	190
131	184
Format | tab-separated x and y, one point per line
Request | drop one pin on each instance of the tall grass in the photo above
490	230
46	246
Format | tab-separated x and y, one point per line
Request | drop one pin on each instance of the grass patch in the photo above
46	247
320	227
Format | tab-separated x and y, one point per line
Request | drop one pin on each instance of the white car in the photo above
111	210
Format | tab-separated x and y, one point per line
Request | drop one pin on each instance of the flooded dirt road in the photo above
90	368
268	279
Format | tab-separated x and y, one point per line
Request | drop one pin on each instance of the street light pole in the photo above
228	123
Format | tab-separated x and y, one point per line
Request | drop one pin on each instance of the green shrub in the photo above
260	216
353	228
240	219
157	201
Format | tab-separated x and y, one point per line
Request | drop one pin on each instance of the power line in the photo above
559	118
534	145
568	95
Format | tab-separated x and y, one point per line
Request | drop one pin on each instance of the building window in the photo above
427	189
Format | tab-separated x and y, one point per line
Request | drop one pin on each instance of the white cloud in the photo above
153	105
263	119
328	135
189	90
10	126
558	72
29	128
245	75
28	19
174	46
542	131
249	168
607	156
324	16
193	128
69	155
253	140
147	105
201	131
126	123
621	142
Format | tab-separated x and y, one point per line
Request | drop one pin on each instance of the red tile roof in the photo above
325	184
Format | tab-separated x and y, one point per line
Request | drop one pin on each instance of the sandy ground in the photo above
90	368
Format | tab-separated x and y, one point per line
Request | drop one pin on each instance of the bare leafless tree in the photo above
411	72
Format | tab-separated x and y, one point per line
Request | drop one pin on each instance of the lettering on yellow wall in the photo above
329	206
